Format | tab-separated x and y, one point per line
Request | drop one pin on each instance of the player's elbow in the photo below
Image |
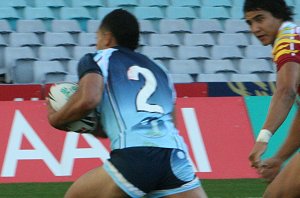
287	92
90	103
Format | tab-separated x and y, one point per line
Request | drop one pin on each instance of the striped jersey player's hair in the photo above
124	27
278	8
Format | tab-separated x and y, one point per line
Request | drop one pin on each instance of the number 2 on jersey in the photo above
148	89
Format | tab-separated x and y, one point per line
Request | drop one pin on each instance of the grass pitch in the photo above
237	188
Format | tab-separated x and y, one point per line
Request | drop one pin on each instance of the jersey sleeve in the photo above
87	65
287	47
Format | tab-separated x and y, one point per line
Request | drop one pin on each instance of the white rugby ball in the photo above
59	95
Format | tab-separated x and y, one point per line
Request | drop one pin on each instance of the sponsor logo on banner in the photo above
32	151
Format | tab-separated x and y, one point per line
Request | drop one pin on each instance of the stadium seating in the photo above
173	32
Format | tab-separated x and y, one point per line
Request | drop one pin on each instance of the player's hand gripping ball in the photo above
59	94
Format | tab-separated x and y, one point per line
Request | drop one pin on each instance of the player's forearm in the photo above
292	142
281	104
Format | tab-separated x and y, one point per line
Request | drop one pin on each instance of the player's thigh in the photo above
286	184
194	193
95	183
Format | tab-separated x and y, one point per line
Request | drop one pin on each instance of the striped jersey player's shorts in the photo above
151	171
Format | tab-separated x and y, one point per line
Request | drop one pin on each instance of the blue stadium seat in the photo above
250	66
79	51
156	3
210	12
206	26
148	13
81	14
52	39
53	53
258	52
10	14
181	78
3	42
218	66
236	12
184	67
217	3
43	3
186	3
42	13
205	40
72	67
180	13
24	39
122	3
87	39
147	27
5	27
158	52
236	26
192	52
226	52
48	72
93	25
86	3
22	72
34	26
174	26
13	3
170	40
70	26
234	39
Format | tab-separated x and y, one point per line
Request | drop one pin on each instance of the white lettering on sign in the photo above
196	140
21	128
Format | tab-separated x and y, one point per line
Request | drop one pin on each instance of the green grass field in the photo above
240	188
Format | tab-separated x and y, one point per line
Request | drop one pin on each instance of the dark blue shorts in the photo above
151	171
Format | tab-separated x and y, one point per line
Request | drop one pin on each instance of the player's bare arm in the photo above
81	103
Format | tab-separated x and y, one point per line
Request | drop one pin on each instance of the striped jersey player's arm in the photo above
286	47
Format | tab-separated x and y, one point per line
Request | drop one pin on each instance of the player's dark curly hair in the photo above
278	8
124	27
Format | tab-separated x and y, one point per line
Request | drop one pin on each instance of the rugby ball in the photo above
59	95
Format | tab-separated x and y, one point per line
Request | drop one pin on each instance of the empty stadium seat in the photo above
226	52
149	13
50	4
71	26
248	66
87	39
219	77
181	78
192	52
210	12
156	3
147	27
237	39
72	67
53	53
258	51
3	42
42	13
5	27
264	77
74	13
160	52
236	26
48	72
218	66
198	40
13	3
86	3
238	2
236	12
184	67
93	25
206	26
24	39
121	3
103	11
22	72
186	3
217	3
34	26
164	40
53	39
79	51
254	40
180	13
167	26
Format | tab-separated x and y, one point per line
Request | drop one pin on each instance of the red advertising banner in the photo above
217	131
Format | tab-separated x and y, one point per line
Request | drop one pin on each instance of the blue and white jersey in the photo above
138	99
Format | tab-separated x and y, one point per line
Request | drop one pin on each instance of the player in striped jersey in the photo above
136	99
271	22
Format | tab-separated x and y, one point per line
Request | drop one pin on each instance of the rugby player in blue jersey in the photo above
136	101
